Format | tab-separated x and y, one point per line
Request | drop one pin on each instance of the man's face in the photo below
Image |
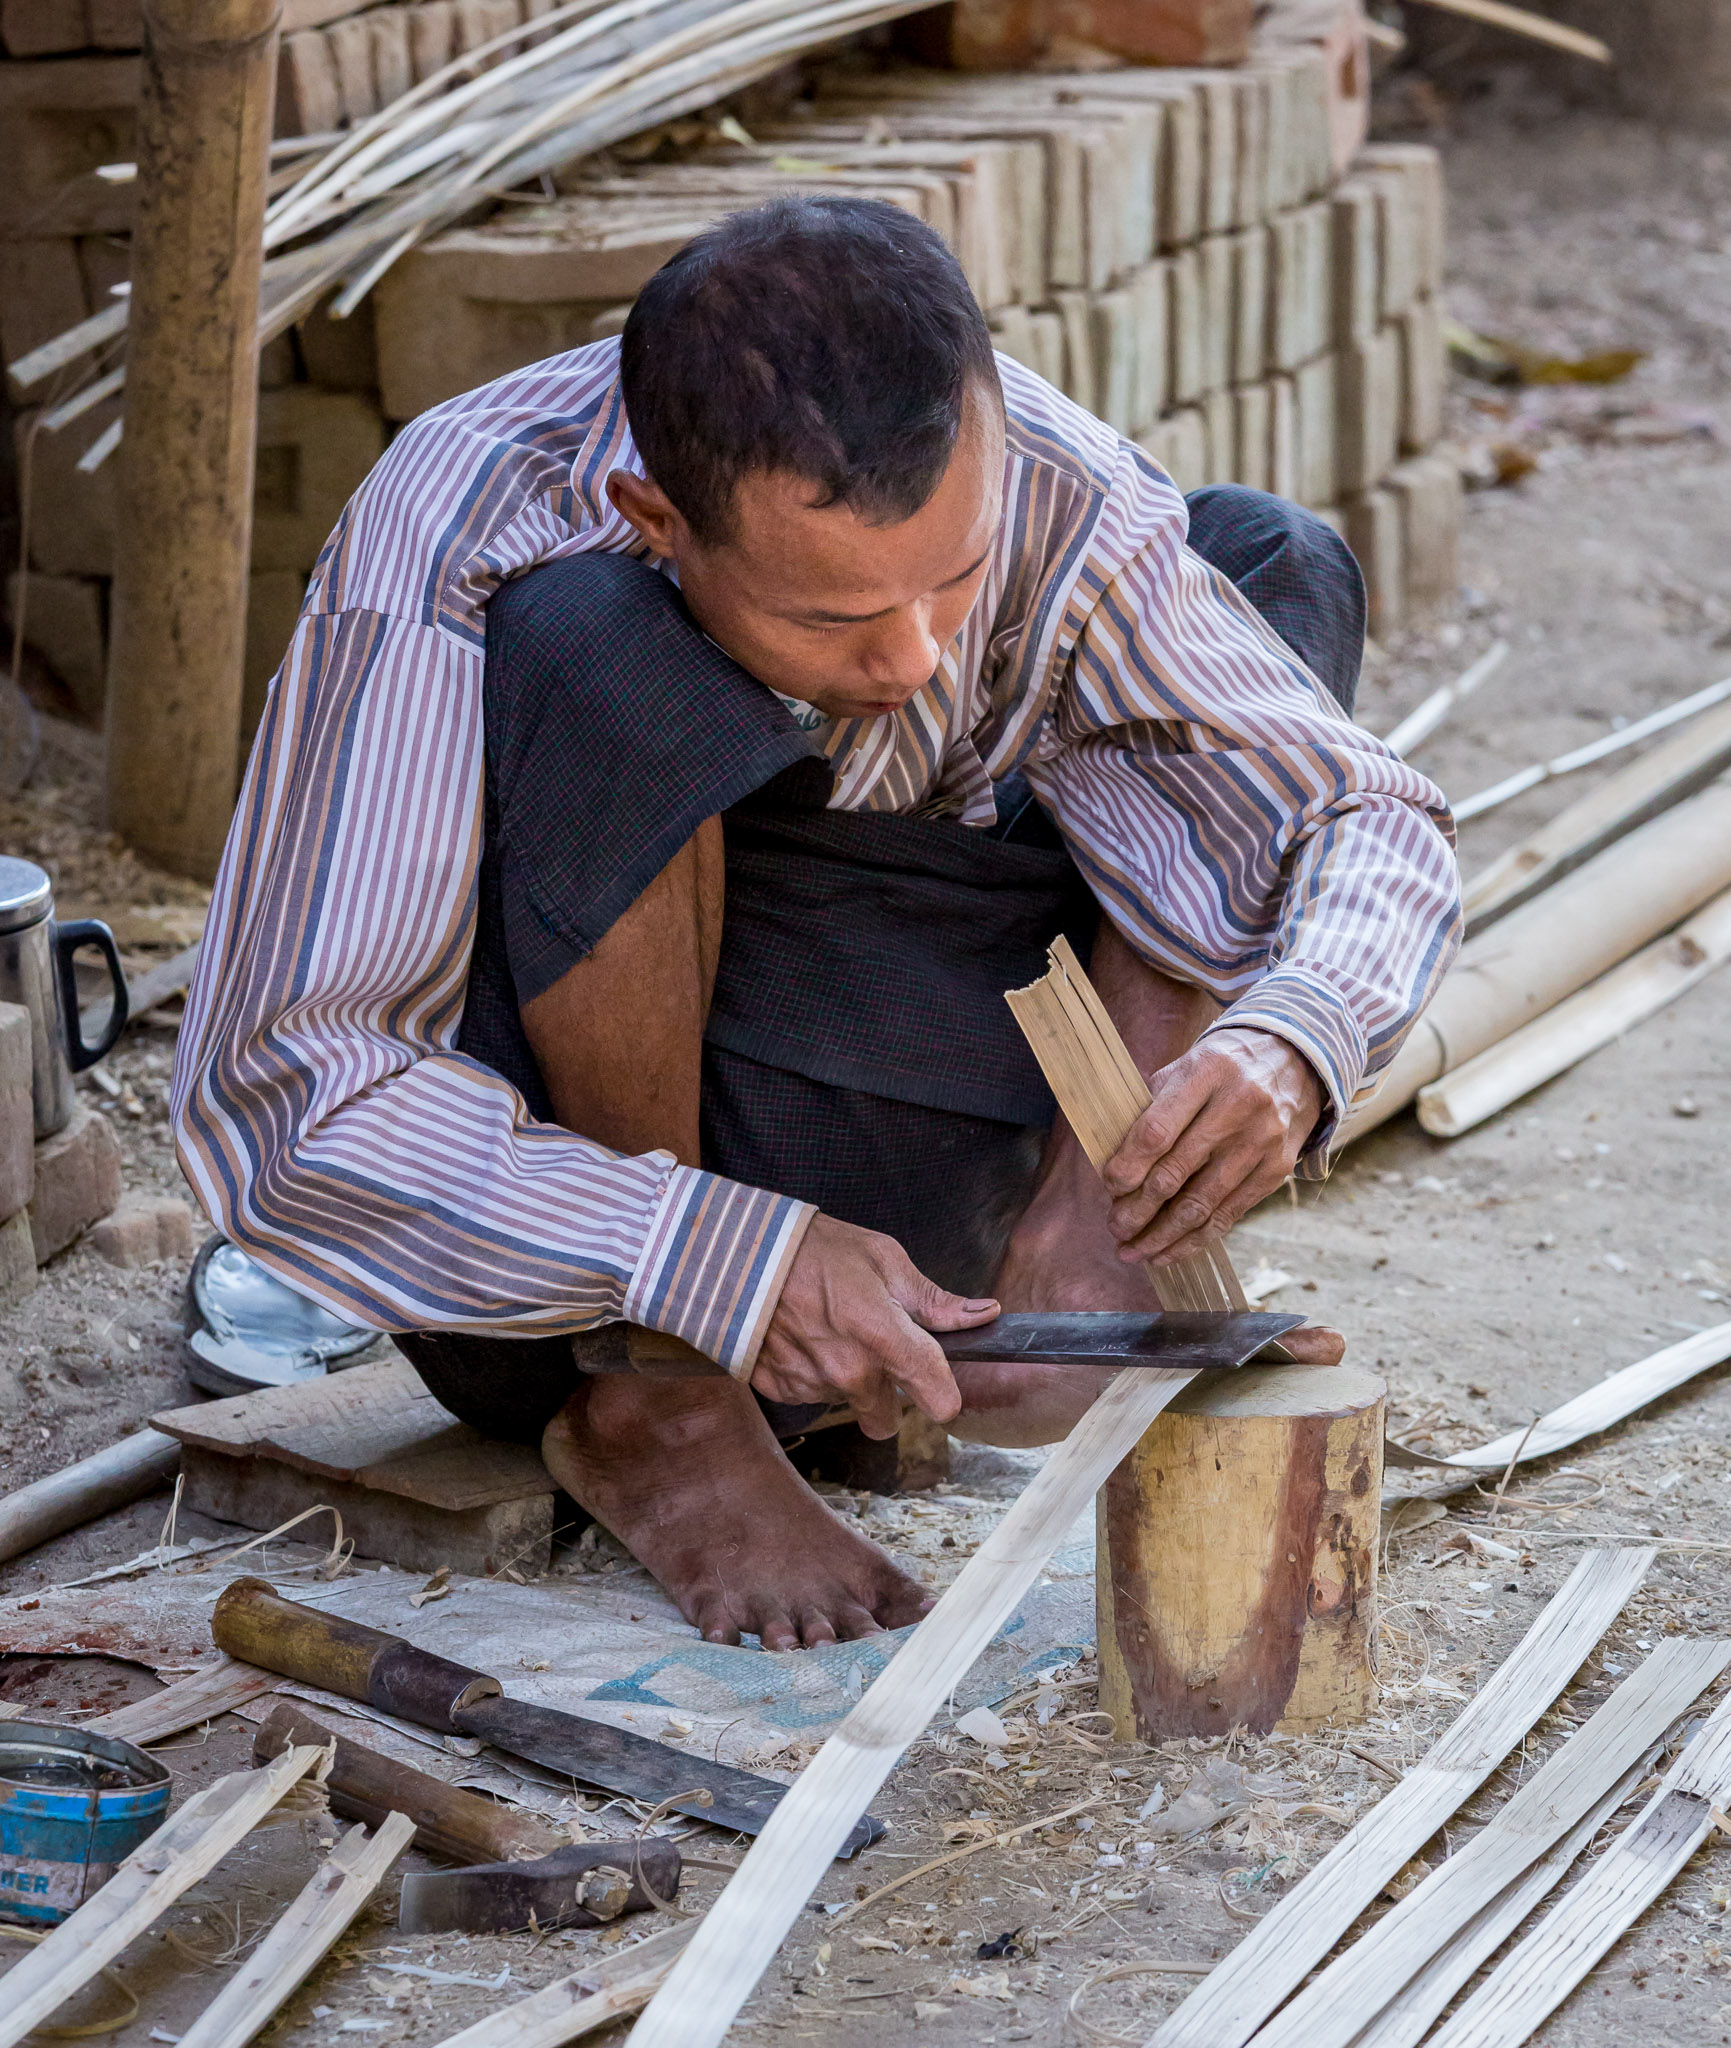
820	604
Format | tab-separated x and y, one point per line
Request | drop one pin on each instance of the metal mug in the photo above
36	971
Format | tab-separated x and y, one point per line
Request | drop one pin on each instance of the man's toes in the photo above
901	1602
853	1621
715	1625
776	1632
816	1628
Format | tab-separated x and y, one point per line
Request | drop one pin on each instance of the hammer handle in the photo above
366	1786
252	1621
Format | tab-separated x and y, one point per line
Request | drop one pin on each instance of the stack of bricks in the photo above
1178	250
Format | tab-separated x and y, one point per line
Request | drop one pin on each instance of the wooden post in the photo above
186	459
1237	1557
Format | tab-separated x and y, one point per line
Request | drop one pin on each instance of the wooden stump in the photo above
1236	1579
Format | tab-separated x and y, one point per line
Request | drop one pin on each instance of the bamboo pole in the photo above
184	521
1591	1018
109	1479
1533	958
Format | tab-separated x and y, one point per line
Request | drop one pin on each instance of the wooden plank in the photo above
742	1932
307	1930
1580	1025
1410	2015
1282	1949
200	1697
611	1989
181	1851
373	1425
1335	2007
1529	1984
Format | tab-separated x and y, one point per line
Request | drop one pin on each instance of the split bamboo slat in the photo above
1577	930
1414	2010
1629	797
181	1851
1099	1088
1283	1948
612	1988
302	1937
1559	1039
187	1702
1418	725
1335	2007
1600	1408
1532	1981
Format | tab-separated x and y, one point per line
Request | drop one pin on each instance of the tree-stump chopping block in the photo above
1236	1574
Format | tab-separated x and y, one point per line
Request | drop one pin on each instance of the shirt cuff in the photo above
1301	1007
714	1263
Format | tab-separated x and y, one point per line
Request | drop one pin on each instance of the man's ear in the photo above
643	503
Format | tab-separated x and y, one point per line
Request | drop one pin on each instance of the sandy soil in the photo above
1488	1278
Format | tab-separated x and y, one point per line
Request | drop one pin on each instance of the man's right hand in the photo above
852	1326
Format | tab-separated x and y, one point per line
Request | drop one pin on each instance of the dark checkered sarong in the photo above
859	1053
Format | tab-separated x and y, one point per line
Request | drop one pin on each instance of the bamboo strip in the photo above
1529	1984
1604	1010
1627	798
303	1936
1521	21
595	1996
194	1841
1574	932
1334	2008
742	1932
1418	725
1409	2016
1282	1949
187	1702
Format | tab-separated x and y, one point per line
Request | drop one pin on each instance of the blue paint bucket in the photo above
73	1806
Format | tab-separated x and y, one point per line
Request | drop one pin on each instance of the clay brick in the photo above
41	294
59	119
66	621
432	36
273	604
1417	167
1249	305
43	28
1423	375
1357	275
1251	208
1175	107
1367	410
18	1274
1214	256
116	24
1076	312
1220	426
1151	286
1046	330
1013	335
314	449
143	1230
1314	387
17	1111
479	21
1300	285
1113	319
341	355
71	514
1184	327
1373	532
1429	493
1188	445
77	1182
1250	432
1282	436
351	46
393	66
309	95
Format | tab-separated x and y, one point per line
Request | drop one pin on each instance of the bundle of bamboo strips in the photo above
508	111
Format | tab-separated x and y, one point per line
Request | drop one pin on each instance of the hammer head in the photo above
581	1886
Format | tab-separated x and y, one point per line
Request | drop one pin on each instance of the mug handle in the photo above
88	931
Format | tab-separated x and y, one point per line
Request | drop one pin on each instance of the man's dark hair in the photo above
832	339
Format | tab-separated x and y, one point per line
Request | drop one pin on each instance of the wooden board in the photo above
187	1703
612	1988
1335	2007
374	1425
388	1526
1284	1947
1529	1984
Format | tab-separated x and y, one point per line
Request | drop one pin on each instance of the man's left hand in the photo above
1227	1123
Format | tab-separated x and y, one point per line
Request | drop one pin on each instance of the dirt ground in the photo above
1488	1278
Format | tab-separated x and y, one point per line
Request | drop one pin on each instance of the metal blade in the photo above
1210	1341
613	1759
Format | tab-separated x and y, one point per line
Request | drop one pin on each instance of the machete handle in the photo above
252	1621
366	1786
651	1354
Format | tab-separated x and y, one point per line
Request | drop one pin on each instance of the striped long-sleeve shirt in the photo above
1237	828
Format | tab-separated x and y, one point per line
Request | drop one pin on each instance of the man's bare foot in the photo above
689	1477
